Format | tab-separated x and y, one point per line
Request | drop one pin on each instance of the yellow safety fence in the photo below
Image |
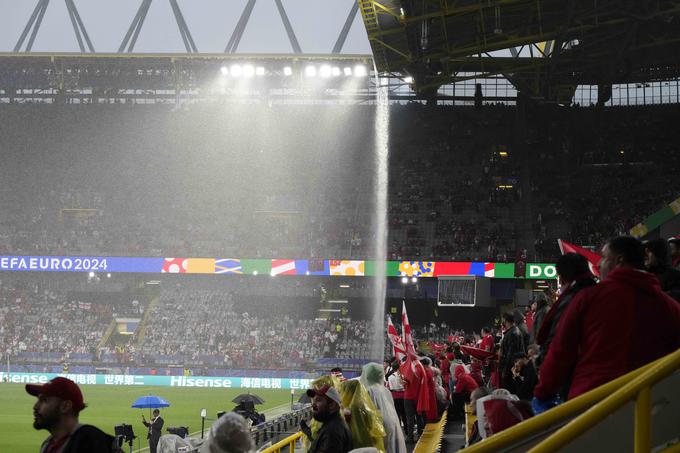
431	439
287	442
597	404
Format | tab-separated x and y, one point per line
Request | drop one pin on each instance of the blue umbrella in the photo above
150	401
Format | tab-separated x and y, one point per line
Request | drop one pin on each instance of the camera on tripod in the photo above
124	433
181	431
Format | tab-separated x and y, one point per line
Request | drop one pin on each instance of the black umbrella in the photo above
248	398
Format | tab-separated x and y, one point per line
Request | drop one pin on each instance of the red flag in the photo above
592	257
395	339
407	338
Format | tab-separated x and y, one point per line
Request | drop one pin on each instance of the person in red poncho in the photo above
412	376
465	385
427	401
612	328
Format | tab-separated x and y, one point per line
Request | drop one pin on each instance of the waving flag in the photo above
395	339
592	257
406	336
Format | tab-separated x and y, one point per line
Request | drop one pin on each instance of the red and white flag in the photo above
407	338
397	344
592	257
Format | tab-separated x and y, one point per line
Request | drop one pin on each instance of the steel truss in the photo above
35	20
548	47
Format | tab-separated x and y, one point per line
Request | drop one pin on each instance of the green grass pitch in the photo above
110	406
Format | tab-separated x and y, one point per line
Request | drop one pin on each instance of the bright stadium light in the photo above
108	275
347	71
248	71
360	71
414	280
408	79
91	274
224	70
325	71
404	280
236	70
254	272
336	71
310	71
259	71
287	71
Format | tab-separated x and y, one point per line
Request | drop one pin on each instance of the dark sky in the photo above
317	24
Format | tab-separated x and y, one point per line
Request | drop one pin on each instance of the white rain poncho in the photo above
373	378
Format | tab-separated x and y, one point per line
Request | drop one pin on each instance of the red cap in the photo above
62	388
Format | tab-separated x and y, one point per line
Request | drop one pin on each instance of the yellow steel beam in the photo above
643	414
539	424
659	370
387	10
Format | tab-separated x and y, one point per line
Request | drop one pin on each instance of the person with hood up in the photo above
372	377
465	385
612	328
363	418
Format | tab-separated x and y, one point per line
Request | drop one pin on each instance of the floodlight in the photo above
404	280
224	70
310	71
254	272
336	71
347	71
236	70
259	71
108	275
287	71
325	71
91	274
408	79
414	280
360	71
248	70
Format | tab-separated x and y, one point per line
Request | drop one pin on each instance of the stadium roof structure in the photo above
544	48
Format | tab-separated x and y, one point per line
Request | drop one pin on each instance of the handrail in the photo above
431	439
539	424
639	388
288	441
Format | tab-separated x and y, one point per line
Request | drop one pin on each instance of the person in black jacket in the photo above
334	435
56	410
155	427
573	275
658	262
524	377
511	344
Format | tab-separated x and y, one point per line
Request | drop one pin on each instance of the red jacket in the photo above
608	330
464	382
487	343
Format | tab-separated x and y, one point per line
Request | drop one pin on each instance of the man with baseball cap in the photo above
59	403
334	436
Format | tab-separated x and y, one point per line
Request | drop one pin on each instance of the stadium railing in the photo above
559	427
270	431
431	439
287	442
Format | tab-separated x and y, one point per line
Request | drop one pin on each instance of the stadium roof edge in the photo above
186	56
